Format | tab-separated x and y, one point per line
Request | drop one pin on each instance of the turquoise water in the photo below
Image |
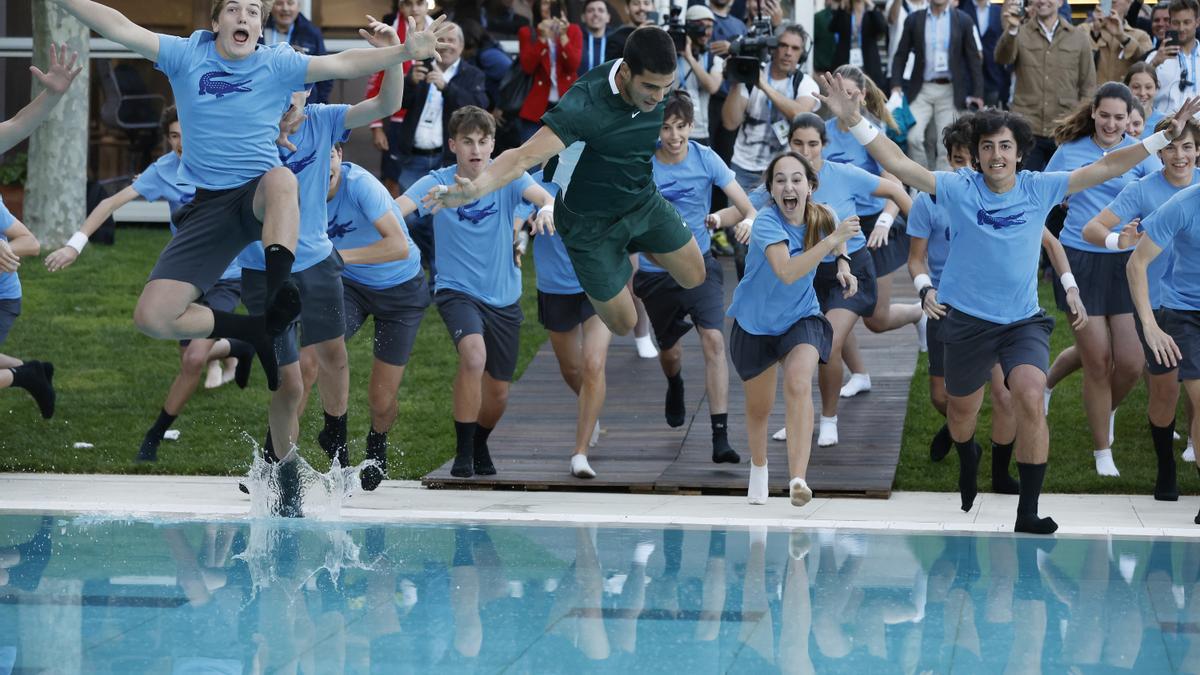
91	595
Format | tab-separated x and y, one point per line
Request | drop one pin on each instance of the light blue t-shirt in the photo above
160	181
842	148
229	110
10	284
995	242
1086	204
838	187
473	244
555	273
1154	119
929	221
762	303
324	126
1138	200
1177	224
360	201
688	186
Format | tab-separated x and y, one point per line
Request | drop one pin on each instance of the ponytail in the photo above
874	102
820	221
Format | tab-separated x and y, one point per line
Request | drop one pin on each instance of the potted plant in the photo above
12	182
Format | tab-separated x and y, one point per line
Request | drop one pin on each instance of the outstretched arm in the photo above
66	255
391	92
354	63
1116	163
503	170
887	153
111	24
56	82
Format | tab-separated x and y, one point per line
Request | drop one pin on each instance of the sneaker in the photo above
580	467
645	347
780	435
857	384
720	244
923	333
829	433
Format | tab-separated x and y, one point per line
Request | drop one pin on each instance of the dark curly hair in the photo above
988	122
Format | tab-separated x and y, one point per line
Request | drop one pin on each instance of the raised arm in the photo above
355	63
111	24
887	153
1116	163
393	245
503	170
63	257
56	82
391	91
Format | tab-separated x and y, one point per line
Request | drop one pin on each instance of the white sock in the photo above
1104	463
1189	453
641	554
757	492
857	384
780	435
213	379
645	347
799	491
1112	425
829	433
595	435
228	369
1175	436
758	535
580	467
1046	400
922	325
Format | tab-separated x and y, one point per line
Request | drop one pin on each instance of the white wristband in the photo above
1068	281
1113	241
921	281
549	207
78	241
885	220
1156	142
864	132
748	222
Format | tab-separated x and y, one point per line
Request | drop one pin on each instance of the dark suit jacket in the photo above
467	87
307	39
966	74
996	78
874	29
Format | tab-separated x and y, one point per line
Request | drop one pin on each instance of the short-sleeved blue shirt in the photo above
838	187
10	283
229	110
361	200
842	148
1086	204
929	221
555	273
762	304
995	242
1177	224
1138	200
473	244
324	126
688	186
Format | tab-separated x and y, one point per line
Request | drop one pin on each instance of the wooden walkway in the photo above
638	452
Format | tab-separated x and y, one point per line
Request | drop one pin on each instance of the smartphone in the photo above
556	10
1106	7
652	18
1172	38
428	63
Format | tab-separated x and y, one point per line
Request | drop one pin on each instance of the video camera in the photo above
748	53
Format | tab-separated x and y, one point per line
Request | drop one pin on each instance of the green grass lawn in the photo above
1072	468
112	380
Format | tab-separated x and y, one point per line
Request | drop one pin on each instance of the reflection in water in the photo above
284	596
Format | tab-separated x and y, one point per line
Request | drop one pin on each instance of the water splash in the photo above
322	494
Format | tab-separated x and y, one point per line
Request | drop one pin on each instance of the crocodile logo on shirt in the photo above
338	230
209	84
985	217
299	165
468	212
674	194
839	157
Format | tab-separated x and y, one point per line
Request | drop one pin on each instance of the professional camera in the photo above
677	29
749	52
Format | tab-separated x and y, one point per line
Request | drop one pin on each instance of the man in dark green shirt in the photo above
599	141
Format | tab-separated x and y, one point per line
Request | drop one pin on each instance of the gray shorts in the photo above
9	311
973	346
499	326
1151	365
210	231
753	354
937	348
670	305
1103	286
1184	327
322	314
397	310
894	255
829	291
561	313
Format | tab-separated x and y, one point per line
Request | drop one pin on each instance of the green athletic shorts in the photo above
599	245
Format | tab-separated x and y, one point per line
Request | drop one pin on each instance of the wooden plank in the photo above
638	452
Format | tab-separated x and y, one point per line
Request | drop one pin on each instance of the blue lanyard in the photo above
592	60
855	38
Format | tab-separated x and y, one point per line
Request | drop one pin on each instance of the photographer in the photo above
1176	60
699	71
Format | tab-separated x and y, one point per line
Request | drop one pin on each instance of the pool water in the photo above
85	594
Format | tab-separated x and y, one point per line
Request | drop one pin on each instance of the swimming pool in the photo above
89	594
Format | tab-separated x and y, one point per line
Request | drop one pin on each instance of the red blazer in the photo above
535	60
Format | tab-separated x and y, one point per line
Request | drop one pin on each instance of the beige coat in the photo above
1051	77
1113	60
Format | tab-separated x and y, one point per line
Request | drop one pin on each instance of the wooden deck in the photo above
638	452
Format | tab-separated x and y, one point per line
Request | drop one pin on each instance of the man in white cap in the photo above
700	71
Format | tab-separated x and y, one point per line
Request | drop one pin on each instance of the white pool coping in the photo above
190	497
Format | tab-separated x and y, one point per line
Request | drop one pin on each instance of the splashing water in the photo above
322	495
